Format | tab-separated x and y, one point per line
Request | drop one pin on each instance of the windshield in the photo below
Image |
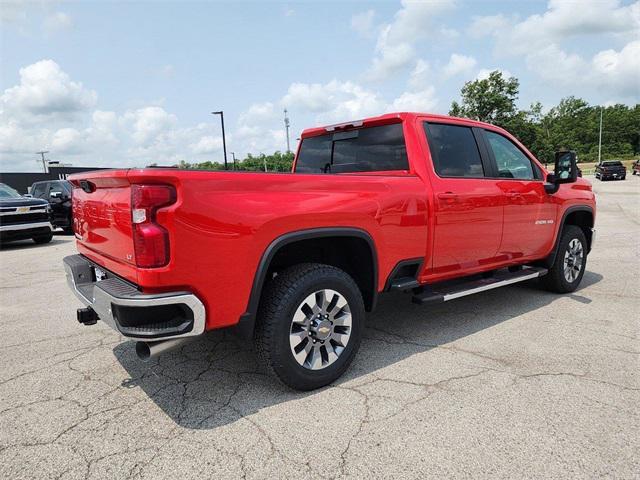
7	192
611	164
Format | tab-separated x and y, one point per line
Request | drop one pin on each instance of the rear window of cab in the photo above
367	149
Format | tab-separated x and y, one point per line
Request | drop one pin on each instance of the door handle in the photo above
448	198
513	194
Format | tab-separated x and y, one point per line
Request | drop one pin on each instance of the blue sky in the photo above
124	84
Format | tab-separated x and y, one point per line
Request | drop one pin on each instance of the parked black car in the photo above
611	169
58	194
22	217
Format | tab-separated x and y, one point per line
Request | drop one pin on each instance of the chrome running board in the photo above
449	291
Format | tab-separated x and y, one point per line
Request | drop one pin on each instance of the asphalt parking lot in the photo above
512	383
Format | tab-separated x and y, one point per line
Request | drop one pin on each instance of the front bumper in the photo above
21	231
132	313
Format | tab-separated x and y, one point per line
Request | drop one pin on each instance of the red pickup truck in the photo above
437	206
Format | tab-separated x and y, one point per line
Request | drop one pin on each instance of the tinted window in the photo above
364	150
38	190
511	162
454	151
59	187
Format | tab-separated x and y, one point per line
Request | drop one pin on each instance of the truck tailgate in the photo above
102	215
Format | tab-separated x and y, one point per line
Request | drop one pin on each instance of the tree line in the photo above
275	162
572	124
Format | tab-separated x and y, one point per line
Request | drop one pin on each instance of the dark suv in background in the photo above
58	194
611	169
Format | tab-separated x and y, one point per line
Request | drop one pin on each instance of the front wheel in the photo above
570	263
310	324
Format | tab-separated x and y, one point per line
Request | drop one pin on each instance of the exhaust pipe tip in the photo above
143	351
147	350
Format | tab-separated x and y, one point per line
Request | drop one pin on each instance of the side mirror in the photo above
565	171
27	195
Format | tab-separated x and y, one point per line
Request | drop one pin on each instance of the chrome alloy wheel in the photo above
320	329
573	260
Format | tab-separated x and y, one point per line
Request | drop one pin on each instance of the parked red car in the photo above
439	206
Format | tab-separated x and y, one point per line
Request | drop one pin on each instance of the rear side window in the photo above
454	151
363	150
511	162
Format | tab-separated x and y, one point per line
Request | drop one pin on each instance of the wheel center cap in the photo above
322	330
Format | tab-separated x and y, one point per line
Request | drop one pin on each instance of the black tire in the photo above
556	280
46	238
280	301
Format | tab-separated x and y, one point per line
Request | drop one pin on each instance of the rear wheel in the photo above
570	263
310	324
46	238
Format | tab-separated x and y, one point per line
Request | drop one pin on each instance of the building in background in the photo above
21	181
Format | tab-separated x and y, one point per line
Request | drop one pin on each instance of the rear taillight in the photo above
150	240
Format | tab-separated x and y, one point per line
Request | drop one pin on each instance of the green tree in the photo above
491	100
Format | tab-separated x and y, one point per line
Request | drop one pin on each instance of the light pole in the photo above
224	141
233	155
286	126
44	161
600	138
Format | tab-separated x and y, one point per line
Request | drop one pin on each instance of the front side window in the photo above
511	162
454	151
38	190
364	150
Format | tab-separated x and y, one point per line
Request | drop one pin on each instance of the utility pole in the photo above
233	155
224	141
44	161
286	125
600	138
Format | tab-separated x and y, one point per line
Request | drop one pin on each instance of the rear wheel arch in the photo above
350	249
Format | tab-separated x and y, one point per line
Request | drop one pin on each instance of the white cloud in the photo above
613	72
45	91
57	21
333	101
458	64
13	11
483	73
363	24
148	123
488	25
562	20
539	39
420	101
208	144
420	75
48	110
67	140
395	45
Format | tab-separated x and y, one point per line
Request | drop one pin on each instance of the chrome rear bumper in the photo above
139	316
